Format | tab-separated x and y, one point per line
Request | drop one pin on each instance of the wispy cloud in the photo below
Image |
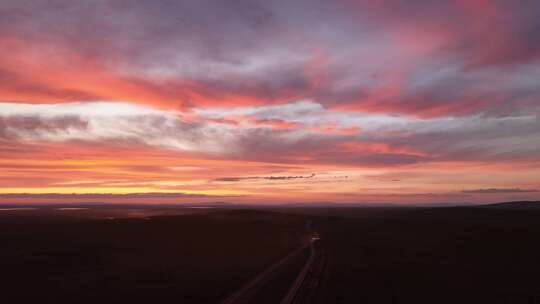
102	195
499	190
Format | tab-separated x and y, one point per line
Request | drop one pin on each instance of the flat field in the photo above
440	255
54	257
367	255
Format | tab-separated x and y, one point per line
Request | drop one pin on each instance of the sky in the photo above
253	101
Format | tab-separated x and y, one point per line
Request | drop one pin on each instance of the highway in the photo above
249	289
303	290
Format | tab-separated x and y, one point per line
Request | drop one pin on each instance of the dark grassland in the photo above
374	255
193	258
443	255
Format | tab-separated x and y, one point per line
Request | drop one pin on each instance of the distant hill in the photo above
515	205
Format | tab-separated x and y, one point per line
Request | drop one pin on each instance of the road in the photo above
304	288
248	290
305	285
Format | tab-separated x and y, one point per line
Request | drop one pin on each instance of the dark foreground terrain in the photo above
51	257
446	255
364	255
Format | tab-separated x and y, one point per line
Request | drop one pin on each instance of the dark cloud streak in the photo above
288	177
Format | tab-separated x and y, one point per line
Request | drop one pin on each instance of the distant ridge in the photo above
515	205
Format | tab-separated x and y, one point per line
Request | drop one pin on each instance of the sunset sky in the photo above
253	101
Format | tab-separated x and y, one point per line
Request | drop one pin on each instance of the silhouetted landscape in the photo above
146	254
